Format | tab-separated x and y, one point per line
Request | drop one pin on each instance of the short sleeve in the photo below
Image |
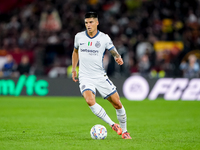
76	45
109	43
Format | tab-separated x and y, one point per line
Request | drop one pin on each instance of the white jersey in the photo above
91	53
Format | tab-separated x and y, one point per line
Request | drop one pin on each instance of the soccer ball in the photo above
98	132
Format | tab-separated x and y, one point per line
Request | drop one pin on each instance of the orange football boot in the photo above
126	135
117	128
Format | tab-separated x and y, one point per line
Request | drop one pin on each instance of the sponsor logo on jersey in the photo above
90	51
82	43
97	44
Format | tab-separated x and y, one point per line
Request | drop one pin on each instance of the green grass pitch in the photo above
64	123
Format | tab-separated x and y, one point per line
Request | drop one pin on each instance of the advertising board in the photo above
137	88
133	88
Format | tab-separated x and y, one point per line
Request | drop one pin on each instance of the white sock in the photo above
101	113
121	116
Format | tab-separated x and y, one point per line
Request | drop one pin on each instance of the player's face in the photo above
91	24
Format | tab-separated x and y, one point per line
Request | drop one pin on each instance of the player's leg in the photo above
121	113
89	97
106	88
95	107
108	91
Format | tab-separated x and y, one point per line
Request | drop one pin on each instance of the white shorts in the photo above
103	85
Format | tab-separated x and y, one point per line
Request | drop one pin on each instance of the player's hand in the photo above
119	61
74	76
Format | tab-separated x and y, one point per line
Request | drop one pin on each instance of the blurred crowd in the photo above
38	37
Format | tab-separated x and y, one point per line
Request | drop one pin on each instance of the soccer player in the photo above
89	50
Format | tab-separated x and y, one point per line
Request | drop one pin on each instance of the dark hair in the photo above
91	15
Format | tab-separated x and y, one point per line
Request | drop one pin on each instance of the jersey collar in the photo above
93	36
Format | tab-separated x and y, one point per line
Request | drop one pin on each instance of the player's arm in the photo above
116	56
74	64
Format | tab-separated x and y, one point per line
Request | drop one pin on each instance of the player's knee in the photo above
118	105
90	101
